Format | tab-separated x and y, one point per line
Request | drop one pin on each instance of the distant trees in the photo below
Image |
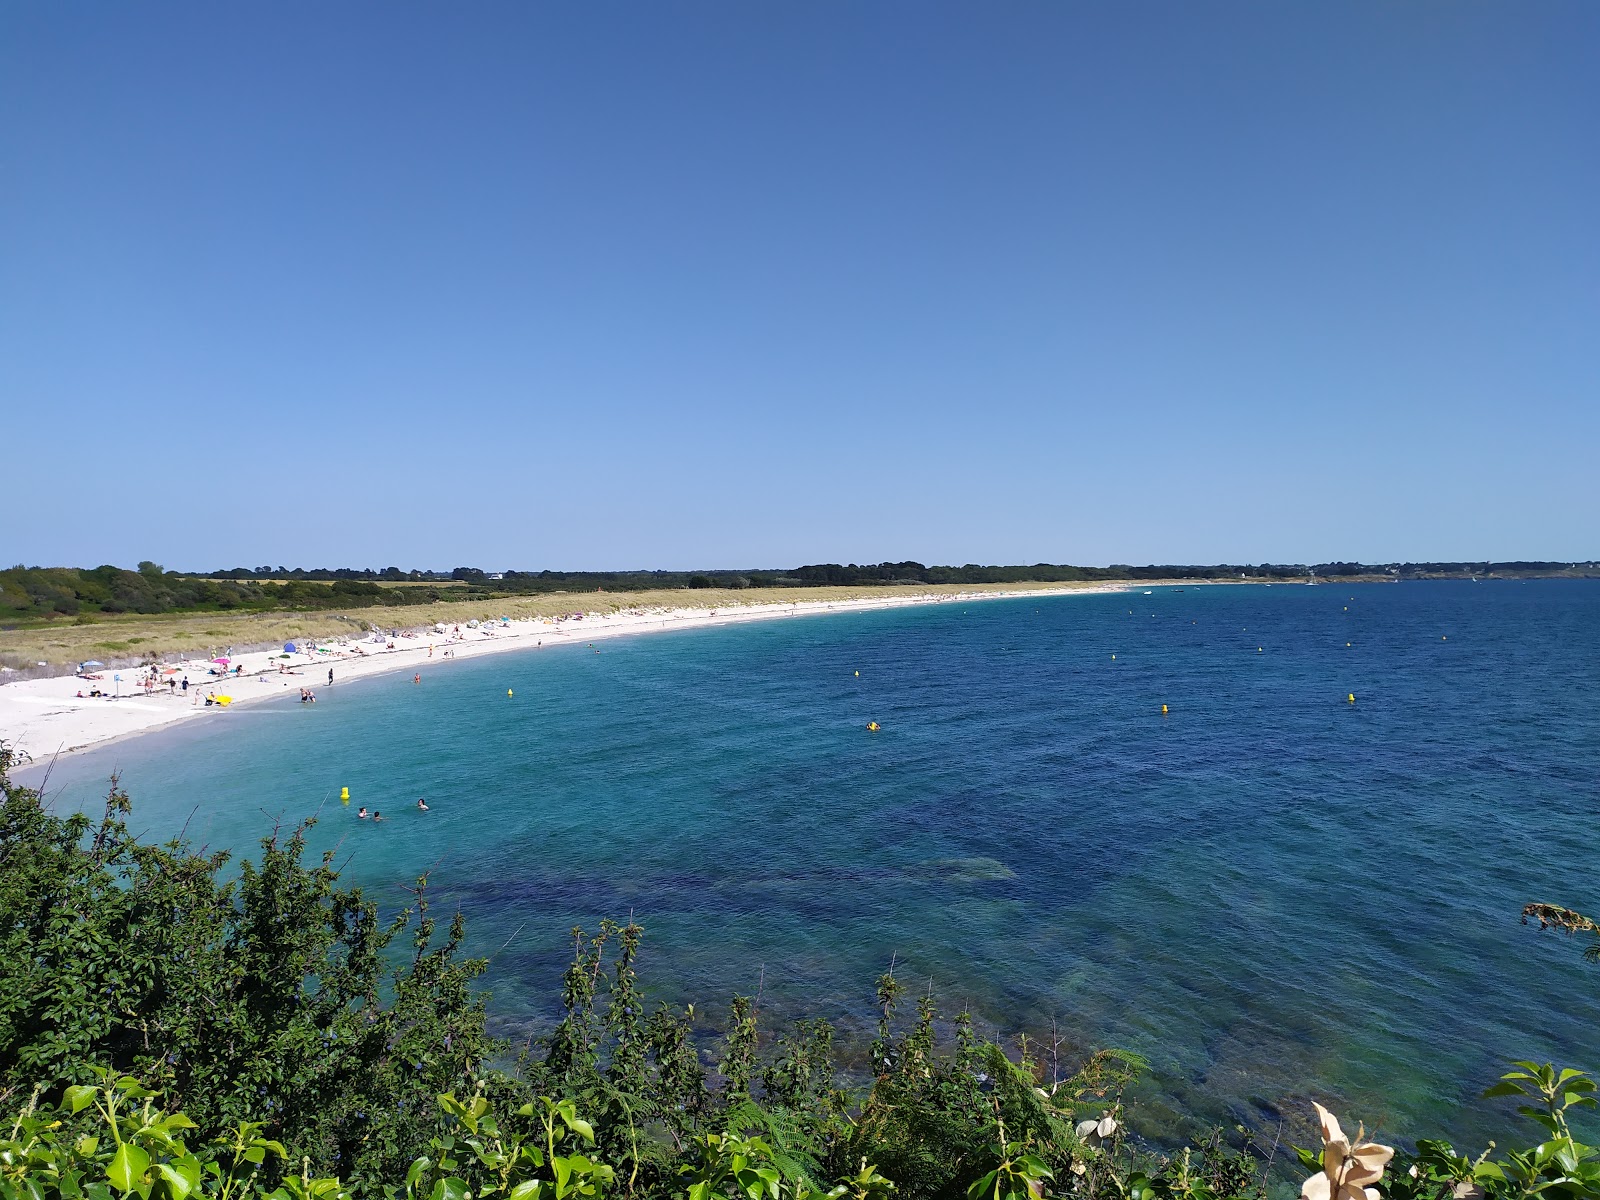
48	592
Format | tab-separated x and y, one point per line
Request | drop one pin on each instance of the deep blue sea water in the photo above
1270	892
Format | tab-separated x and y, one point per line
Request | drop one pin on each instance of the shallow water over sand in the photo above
1270	892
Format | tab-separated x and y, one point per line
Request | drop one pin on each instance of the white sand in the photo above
45	717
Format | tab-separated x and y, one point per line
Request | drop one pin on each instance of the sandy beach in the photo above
43	718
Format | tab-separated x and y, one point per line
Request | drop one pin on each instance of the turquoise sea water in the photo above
1270	892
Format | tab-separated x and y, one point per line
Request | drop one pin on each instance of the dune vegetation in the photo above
142	637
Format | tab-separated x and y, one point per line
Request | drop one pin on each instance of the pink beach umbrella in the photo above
224	660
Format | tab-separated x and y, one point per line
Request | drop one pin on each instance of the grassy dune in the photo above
132	638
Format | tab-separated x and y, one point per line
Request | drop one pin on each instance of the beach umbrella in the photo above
93	662
224	660
289	647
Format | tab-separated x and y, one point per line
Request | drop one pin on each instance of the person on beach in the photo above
422	804
185	683
362	813
330	676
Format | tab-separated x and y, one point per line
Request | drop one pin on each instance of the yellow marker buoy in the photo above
872	727
1113	658
1347	608
1352	697
1163	710
1442	638
858	674
508	691
344	795
1258	649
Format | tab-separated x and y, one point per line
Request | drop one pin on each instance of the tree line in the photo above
52	592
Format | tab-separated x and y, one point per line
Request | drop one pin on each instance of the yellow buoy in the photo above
858	674
1442	638
1352	697
508	691
344	795
1347	645
1347	608
872	727
1163	710
1113	658
1258	649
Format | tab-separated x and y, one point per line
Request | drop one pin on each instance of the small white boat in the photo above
1149	593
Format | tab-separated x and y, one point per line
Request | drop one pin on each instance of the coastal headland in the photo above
58	713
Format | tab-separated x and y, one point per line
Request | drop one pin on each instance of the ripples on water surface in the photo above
1269	892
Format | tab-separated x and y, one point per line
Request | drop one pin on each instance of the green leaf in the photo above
177	1185
582	1128
127	1167
419	1167
526	1190
1504	1089
79	1097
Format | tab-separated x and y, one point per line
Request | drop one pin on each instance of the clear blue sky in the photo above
729	284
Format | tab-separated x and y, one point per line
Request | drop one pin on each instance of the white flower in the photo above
1346	1169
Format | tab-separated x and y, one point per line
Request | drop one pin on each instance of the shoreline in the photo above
46	718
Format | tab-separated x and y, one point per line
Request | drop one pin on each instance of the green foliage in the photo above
273	996
50	592
108	1140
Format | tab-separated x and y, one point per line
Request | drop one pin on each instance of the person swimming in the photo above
422	804
362	812
376	815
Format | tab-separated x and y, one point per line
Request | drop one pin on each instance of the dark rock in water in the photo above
963	870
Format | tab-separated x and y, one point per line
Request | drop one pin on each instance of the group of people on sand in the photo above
375	815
